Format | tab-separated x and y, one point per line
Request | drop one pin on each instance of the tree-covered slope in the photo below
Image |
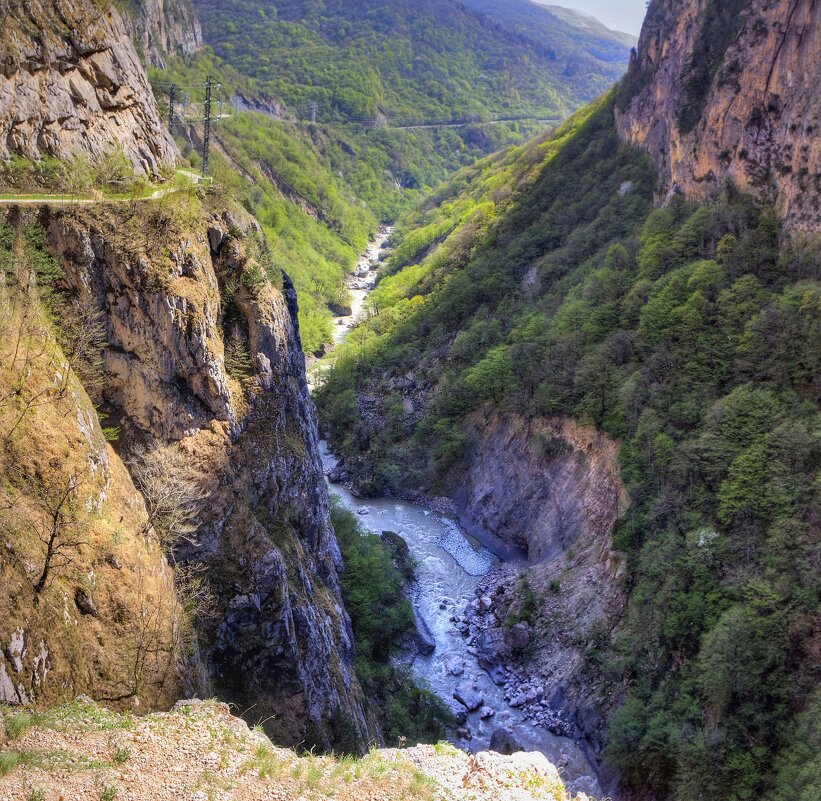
541	282
412	61
588	53
319	192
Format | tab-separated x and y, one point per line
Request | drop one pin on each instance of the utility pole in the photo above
172	96
314	107
206	139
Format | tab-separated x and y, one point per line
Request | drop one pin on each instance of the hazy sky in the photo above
620	15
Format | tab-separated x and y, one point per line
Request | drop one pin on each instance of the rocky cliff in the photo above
162	28
71	82
551	488
731	90
203	367
87	602
542	486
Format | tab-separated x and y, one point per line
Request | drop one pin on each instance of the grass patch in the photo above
49	760
77	715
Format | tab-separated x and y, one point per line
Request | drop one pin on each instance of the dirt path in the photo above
68	200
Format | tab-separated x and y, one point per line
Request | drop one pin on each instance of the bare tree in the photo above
194	591
173	496
82	334
150	646
61	520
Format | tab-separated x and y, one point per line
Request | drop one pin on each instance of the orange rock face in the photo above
755	116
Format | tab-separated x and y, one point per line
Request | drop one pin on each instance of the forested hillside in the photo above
410	61
540	282
319	193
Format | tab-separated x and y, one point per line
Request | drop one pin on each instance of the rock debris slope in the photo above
199	751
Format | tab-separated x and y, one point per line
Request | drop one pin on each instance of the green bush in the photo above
373	590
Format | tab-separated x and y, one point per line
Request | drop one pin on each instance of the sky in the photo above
619	15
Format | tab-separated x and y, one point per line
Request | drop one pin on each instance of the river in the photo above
449	565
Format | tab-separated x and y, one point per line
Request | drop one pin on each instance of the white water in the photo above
449	565
360	284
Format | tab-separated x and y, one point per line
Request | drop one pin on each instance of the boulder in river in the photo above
460	714
456	667
340	309
468	694
423	640
503	741
486	712
490	650
337	474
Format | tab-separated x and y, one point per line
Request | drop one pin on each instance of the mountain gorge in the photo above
541	284
367	74
588	370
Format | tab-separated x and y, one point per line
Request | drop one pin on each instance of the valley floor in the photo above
200	752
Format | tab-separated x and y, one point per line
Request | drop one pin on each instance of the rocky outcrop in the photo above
552	489
162	28
541	486
203	363
731	91
199	748
71	82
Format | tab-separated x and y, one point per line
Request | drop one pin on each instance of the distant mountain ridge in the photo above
563	32
427	59
588	22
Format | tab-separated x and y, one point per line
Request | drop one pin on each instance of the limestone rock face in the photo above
281	642
540	489
162	28
759	125
551	488
71	82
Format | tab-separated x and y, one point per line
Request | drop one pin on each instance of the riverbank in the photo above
454	565
462	669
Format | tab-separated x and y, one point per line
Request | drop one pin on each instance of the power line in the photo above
206	140
172	96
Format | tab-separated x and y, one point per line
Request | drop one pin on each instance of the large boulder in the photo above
423	640
518	636
504	741
490	651
469	695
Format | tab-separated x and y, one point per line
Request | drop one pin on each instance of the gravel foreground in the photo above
200	752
